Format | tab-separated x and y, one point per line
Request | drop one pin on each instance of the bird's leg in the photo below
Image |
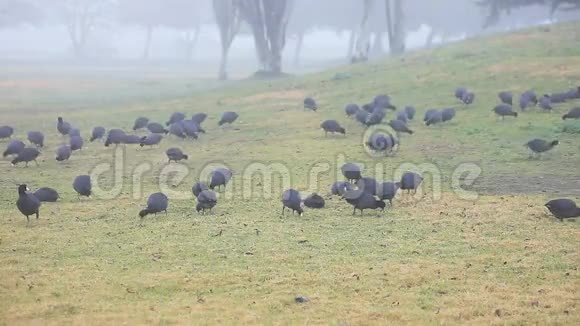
37	215
283	207
165	212
354	211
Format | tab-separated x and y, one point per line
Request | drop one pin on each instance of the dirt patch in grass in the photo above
538	69
525	184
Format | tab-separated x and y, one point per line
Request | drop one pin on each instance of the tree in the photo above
81	17
363	41
227	17
268	21
395	26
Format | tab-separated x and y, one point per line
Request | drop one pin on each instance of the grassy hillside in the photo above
434	257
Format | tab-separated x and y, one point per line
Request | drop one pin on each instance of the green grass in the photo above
435	259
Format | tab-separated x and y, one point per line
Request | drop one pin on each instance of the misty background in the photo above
194	34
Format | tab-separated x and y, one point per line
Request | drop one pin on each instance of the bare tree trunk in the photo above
378	49
351	39
228	21
430	38
298	50
148	38
363	42
191	42
395	26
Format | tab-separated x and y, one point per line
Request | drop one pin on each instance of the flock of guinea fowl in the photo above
359	191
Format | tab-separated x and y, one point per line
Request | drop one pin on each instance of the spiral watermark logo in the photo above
379	141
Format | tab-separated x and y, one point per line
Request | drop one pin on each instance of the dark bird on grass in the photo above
527	99
157	128
447	114
410	110
504	110
381	142
332	126
206	199
351	109
175	154
198	187
468	98
27	203
82	185
191	128
74	132
362	200
156	203
340	187
140	123
434	118
314	201
362	116
63	153
563	208
291	199
228	117
219	177
98	133
546	103
388	191
6	132
538	146
400	127
46	194
151	140
115	136
506	97
460	92
36	138
14	147
383	102
572	114
175	117
369	107
76	143
558	97
310	104
402	116
26	155
574	93
428	114
411	181
351	171
62	126
376	117
176	129
199	118
367	184
131	140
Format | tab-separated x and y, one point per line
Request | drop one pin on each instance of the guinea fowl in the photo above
198	187
460	92
563	208
428	114
131	140
411	181
151	140
367	184
468	98
63	153
291	199
14	147
504	110
310	104
140	123
76	143
156	203
175	117
82	185
36	138
27	203
228	117
199	118
410	110
176	129
351	172
447	114
46	194
332	126
572	114
98	133
546	103
340	187
528	98
400	127
388	191
6	132
383	101
26	155
434	118
402	116
362	116
157	128
62	126
538	146
206	199
314	201
351	109
175	154
115	136
362	200
219	177
506	97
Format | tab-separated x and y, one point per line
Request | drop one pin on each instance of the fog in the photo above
318	34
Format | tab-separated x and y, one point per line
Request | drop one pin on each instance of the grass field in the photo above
431	259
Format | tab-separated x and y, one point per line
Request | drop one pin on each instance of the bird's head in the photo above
381	204
342	131
555	143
